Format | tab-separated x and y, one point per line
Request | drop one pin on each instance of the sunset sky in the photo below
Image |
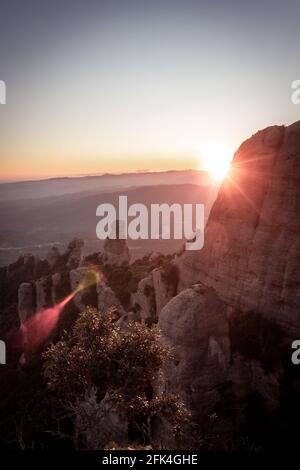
110	86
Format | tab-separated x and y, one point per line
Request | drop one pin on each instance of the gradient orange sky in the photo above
99	86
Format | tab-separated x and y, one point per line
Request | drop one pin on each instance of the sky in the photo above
97	86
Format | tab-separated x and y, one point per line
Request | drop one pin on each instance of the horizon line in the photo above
99	175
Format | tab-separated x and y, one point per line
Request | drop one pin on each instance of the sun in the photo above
216	158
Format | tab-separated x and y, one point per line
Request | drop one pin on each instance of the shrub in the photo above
124	363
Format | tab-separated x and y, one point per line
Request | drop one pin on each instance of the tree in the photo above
117	366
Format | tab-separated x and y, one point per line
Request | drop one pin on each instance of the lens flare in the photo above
91	278
37	328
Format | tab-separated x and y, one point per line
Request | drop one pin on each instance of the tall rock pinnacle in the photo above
252	240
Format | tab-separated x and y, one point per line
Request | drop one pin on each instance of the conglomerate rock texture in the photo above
252	240
237	307
195	326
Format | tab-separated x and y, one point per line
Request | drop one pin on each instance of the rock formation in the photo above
233	329
252	244
74	253
53	256
43	292
26	301
115	249
195	326
77	276
107	298
152	294
228	312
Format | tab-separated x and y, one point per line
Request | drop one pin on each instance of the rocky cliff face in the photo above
232	330
56	282
195	326
252	240
30	285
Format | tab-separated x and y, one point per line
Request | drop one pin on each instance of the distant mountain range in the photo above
36	214
70	185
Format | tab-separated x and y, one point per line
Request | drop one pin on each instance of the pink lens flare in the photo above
37	328
34	331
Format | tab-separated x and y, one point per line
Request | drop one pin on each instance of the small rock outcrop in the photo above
77	277
152	294
53	256
195	326
46	291
116	250
107	298
74	253
26	301
43	292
